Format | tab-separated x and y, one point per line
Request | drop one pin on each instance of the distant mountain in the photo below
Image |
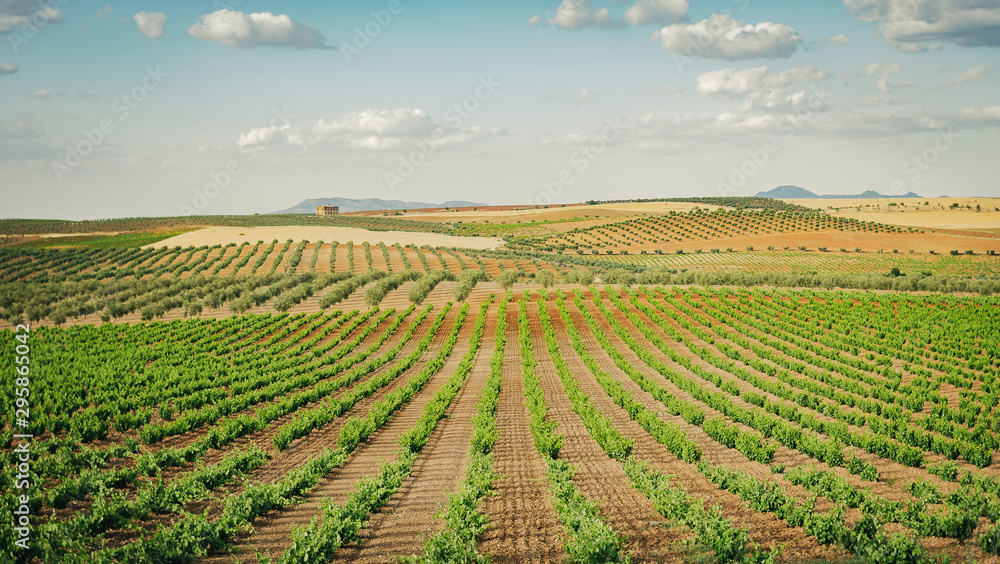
787	192
795	192
371	204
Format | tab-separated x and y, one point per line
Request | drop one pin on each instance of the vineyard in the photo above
741	229
761	384
643	424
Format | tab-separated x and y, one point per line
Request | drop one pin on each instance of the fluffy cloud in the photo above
909	25
578	14
838	40
272	136
884	71
368	131
762	89
982	116
722	37
7	68
380	123
656	12
660	132
734	83
151	24
42	93
237	29
26	13
971	75
20	127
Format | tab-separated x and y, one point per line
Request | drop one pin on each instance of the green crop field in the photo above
306	401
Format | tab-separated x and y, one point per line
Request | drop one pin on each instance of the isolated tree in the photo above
545	278
507	279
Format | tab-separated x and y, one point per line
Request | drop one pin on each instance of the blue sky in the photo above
153	108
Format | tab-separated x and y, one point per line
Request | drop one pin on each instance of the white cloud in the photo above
586	96
668	91
42	93
762	89
734	83
21	127
151	24
271	136
7	68
237	29
368	131
838	40
105	13
722	37
983	116
971	75
578	14
659	132
909	24
656	12
380	123
27	14
884	71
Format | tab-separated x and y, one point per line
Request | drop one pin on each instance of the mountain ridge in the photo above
797	192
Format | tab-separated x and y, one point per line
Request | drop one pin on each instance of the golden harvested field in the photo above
553	212
912	211
226	235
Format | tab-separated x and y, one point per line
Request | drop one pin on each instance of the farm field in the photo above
781	420
384	396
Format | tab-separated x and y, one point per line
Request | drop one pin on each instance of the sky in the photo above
140	108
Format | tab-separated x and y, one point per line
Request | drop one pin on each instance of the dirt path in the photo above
299	451
273	532
600	477
215	455
891	471
405	522
523	524
766	529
